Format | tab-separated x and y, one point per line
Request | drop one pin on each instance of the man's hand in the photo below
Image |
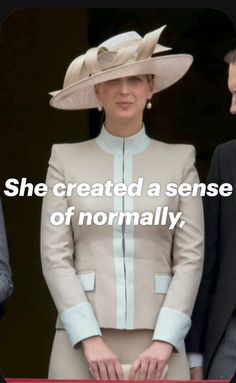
196	373
103	363
151	363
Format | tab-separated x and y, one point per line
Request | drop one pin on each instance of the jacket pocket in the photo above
162	283
87	279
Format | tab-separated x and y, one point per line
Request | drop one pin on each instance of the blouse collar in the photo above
120	145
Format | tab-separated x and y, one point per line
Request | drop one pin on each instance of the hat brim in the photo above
80	95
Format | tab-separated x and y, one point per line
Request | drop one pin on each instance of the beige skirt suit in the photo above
130	283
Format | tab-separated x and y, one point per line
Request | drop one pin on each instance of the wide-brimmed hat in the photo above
126	54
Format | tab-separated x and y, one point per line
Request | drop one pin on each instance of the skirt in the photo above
67	362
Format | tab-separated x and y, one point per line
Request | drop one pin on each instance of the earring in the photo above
149	104
100	108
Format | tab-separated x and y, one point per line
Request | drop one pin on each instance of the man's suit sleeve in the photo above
196	336
6	285
175	316
57	251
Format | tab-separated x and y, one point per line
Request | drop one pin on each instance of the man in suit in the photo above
6	285
212	338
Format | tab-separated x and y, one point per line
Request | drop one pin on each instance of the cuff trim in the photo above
172	326
80	322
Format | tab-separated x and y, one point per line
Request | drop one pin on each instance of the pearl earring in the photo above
100	108
149	104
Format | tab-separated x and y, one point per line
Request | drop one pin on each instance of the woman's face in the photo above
125	98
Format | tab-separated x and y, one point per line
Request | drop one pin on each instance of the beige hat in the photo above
126	54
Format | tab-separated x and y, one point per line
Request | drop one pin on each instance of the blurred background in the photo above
36	47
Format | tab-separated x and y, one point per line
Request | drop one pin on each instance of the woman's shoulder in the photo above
65	154
180	150
74	147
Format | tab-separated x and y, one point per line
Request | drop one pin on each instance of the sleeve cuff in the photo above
195	359
80	322
172	326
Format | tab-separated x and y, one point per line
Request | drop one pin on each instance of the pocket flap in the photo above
162	283
87	279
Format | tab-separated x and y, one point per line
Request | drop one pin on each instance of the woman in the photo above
124	291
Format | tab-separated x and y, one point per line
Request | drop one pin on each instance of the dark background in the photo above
36	47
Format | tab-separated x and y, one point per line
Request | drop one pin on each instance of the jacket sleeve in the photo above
196	336
174	319
57	252
6	285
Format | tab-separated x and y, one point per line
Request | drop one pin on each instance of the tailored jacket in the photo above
216	298
123	276
6	285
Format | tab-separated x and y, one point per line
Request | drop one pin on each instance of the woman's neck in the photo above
123	129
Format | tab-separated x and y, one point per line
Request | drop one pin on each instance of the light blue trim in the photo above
114	144
80	322
118	249
129	245
123	242
162	283
172	326
87	280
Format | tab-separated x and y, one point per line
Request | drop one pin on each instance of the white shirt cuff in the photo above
195	359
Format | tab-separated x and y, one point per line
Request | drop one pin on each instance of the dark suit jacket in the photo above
216	298
2	309
6	285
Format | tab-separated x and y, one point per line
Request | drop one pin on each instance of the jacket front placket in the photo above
123	150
